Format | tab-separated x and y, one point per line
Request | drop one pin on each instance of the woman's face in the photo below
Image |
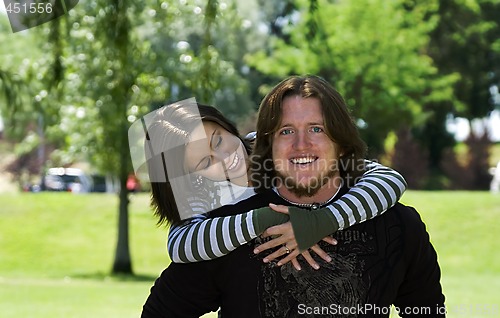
216	154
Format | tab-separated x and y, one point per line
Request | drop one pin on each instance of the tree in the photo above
116	61
465	43
372	52
32	87
123	62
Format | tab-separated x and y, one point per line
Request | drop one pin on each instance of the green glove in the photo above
310	227
267	217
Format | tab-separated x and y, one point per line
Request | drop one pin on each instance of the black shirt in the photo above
383	261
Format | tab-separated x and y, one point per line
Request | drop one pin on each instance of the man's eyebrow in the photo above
314	123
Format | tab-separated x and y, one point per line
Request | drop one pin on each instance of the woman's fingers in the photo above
310	260
319	251
283	235
283	251
296	264
290	255
271	244
330	240
282	229
279	208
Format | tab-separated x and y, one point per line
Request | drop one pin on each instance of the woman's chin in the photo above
239	179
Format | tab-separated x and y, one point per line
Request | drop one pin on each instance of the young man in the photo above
307	153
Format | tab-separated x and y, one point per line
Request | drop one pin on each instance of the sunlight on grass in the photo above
57	250
464	230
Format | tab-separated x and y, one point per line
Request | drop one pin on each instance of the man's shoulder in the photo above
255	201
259	199
406	216
408	213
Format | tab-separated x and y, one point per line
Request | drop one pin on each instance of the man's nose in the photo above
301	140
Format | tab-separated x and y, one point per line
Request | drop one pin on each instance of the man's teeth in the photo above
303	160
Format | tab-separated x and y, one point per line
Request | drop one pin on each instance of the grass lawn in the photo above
56	251
464	228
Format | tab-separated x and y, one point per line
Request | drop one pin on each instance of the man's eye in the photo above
286	132
317	129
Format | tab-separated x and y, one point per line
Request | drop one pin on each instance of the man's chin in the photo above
305	186
303	189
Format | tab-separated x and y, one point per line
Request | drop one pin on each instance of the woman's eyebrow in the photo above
203	159
212	138
199	163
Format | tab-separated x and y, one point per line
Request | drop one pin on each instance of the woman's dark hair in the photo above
168	134
339	126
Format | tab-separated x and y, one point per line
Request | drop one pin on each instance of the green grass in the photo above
464	228
56	252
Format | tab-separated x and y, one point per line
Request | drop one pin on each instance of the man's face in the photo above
304	157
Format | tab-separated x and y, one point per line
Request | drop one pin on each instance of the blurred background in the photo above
422	80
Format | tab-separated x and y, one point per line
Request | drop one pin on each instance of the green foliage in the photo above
464	42
157	52
372	51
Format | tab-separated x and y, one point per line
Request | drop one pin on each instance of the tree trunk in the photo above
123	263
120	25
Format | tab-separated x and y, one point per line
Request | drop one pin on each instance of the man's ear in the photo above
340	151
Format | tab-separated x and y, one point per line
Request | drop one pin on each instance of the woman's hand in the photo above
286	238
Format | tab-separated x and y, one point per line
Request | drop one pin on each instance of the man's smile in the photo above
303	160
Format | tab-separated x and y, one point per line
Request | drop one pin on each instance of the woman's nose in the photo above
221	155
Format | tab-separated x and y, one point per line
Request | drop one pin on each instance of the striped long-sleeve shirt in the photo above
201	238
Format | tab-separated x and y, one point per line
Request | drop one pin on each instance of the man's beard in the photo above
309	190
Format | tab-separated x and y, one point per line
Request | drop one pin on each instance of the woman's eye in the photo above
219	141
286	132
317	129
206	163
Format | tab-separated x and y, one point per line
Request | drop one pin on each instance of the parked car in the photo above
101	183
66	179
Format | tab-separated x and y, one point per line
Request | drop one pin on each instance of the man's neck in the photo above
324	195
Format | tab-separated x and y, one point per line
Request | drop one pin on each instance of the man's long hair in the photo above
339	127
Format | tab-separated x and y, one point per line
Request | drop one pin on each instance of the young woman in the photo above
198	162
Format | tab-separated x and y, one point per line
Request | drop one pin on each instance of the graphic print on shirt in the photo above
340	282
